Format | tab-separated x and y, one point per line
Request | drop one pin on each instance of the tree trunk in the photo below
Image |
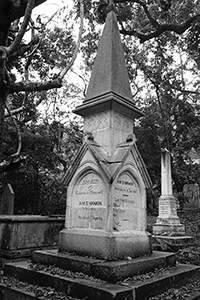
2	113
3	93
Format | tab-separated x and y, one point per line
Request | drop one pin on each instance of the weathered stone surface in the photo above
75	287
191	191
7	201
102	245
9	293
171	279
111	271
106	185
106	205
167	222
109	128
131	289
109	72
172	243
65	261
20	235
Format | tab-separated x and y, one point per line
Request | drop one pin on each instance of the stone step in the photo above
111	271
9	293
74	287
13	289
130	289
183	274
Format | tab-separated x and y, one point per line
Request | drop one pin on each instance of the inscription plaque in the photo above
88	207
126	203
167	208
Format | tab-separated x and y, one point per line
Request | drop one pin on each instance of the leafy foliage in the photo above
37	184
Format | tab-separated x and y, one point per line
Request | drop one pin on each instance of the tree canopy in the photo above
23	57
161	42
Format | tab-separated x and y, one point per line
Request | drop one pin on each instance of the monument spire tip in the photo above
111	6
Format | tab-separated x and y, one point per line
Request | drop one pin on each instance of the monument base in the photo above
172	243
163	229
168	222
111	271
105	245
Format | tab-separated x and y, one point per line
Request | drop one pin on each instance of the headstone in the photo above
191	192
7	201
167	222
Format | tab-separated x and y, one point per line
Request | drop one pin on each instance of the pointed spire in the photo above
111	6
109	73
109	86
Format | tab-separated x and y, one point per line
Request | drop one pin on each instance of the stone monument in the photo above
106	198
168	222
105	226
191	192
7	201
168	232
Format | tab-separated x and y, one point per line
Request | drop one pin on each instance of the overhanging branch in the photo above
179	29
19	7
28	86
66	69
27	17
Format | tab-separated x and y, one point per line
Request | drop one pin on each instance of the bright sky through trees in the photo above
50	6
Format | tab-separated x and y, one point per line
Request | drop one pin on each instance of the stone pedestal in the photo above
172	243
168	222
106	218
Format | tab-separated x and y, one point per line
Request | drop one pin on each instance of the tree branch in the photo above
15	111
28	86
179	29
151	19
19	7
144	6
22	49
12	48
66	69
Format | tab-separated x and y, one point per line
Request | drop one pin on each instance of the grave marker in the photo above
191	191
7	201
167	222
106	186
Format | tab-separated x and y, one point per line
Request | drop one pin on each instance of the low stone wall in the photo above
20	235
